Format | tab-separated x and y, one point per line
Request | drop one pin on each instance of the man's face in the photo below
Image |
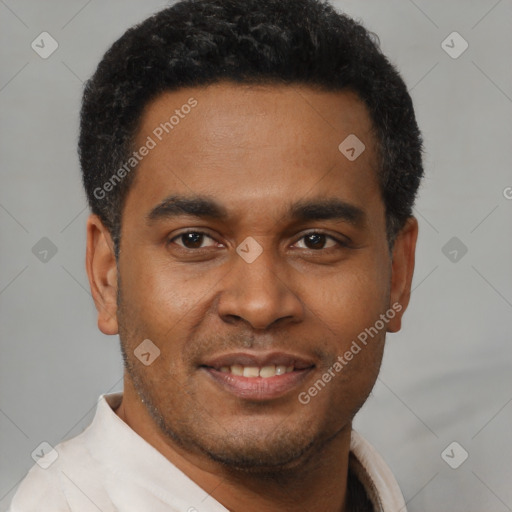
253	287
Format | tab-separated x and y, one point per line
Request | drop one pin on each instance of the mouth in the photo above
258	376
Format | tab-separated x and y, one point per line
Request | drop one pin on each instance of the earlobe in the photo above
102	272
402	271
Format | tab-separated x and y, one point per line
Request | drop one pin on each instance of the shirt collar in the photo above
108	437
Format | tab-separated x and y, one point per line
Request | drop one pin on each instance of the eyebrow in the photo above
327	209
304	210
196	206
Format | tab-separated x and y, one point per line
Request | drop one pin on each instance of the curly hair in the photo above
200	42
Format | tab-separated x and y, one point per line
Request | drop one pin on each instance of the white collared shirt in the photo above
109	467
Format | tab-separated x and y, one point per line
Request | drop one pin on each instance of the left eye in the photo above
316	241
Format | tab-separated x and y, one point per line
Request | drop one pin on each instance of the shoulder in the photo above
57	477
40	491
70	476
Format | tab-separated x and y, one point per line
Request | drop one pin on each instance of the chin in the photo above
262	459
256	448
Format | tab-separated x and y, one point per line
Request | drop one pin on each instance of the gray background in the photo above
446	376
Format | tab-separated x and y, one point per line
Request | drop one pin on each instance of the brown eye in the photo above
192	239
317	241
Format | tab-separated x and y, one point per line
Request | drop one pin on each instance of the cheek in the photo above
163	292
165	304
352	298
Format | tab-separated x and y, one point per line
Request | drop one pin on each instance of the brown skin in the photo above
255	150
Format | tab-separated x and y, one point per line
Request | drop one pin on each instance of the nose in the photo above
260	293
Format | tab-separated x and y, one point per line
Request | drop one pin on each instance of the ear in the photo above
102	271
402	271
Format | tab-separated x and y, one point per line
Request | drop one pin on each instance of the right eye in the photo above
191	239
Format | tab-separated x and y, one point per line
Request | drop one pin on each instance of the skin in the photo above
255	150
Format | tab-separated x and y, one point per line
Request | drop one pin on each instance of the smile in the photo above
254	371
258	376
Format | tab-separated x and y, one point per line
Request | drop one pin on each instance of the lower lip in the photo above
258	388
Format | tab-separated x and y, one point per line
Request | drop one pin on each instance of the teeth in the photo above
267	371
251	371
255	371
237	369
280	370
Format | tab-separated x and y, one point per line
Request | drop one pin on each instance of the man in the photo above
251	167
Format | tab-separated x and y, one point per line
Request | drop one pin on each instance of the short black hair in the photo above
200	42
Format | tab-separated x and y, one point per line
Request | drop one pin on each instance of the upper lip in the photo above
259	360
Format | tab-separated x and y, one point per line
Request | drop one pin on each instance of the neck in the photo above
316	484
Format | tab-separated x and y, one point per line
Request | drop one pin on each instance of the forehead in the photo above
255	145
285	110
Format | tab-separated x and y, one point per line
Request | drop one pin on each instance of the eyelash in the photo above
341	243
